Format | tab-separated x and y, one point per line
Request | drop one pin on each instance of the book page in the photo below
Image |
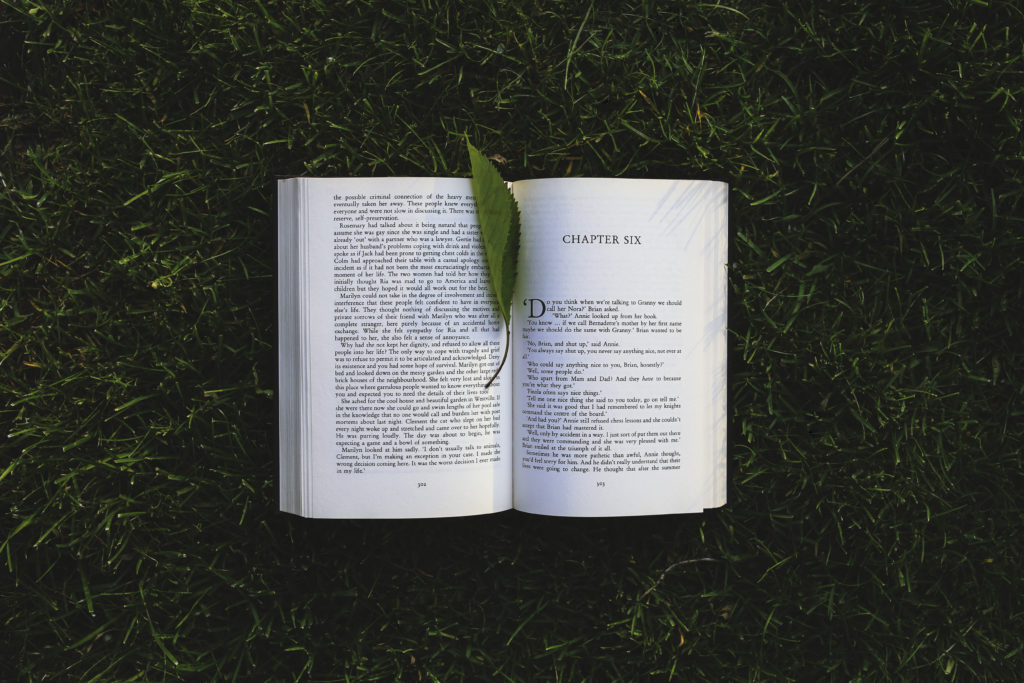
619	342
403	334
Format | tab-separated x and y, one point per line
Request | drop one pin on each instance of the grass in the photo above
874	154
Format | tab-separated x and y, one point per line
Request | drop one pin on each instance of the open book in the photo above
612	401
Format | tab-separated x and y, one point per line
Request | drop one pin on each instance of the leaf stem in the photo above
508	339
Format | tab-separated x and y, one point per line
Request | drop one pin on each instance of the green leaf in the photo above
498	215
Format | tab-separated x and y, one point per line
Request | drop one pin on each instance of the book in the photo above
613	398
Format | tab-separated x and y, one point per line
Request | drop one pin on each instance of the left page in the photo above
383	408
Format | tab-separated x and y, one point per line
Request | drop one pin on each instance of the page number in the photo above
600	484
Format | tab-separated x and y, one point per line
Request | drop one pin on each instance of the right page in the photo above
619	347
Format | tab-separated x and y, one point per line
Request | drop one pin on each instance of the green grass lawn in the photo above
874	524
